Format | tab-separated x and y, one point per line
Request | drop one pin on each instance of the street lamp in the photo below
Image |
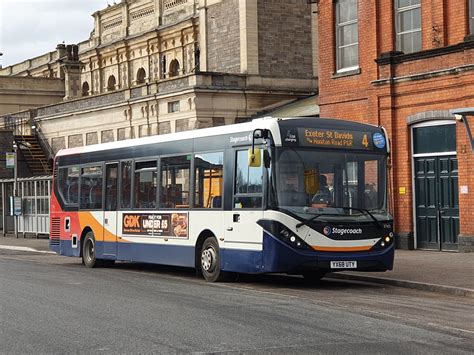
460	115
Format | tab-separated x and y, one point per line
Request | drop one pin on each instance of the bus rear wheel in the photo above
89	257
210	261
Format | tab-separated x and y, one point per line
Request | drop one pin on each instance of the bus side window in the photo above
145	184
91	188
248	183
68	185
208	178
175	173
111	177
126	184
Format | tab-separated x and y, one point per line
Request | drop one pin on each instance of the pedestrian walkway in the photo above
445	272
40	244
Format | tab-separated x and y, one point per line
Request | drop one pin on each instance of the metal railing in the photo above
43	141
17	124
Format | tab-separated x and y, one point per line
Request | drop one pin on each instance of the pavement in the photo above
442	272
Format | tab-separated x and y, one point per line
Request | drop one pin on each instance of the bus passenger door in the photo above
243	236
110	211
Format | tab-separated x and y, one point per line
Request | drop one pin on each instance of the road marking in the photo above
16	248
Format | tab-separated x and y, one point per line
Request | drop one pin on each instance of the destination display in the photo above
344	139
156	224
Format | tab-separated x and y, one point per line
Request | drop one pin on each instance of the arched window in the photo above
141	74
111	83
174	68
85	89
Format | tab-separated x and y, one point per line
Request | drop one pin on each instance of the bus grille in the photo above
55	230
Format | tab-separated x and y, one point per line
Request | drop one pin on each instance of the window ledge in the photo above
344	73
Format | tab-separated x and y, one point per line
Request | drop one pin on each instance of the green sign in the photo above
10	158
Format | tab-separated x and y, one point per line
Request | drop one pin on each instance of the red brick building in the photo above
405	64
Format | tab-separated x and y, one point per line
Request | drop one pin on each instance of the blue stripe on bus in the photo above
275	257
173	255
244	261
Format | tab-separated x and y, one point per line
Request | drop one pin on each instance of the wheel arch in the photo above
83	236
206	233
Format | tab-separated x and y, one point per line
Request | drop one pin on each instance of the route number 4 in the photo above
365	141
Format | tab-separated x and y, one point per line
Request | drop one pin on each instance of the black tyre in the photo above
89	258
210	261
312	277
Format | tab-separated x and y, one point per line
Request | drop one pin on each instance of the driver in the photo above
322	198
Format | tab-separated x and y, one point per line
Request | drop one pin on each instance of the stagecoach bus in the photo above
303	196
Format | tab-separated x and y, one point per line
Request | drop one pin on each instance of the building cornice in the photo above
151	32
396	57
425	75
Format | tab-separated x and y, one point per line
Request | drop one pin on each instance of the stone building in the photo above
159	66
24	93
405	64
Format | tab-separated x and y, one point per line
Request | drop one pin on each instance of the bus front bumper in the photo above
279	257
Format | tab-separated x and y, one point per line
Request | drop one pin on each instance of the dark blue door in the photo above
436	199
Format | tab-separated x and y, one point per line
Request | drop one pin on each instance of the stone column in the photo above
71	67
248	36
203	35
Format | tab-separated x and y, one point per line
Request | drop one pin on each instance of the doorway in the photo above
435	168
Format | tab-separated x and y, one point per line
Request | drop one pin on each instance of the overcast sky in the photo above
29	28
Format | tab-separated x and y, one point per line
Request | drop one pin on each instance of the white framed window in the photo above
173	106
408	25
347	35
471	17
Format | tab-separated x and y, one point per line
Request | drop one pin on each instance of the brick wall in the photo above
223	36
387	93
284	38
466	178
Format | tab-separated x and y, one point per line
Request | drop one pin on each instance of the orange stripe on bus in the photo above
101	234
363	248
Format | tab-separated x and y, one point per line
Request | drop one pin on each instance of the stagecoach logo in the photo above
341	231
327	230
290	137
241	139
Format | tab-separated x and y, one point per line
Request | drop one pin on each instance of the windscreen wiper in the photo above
306	221
366	211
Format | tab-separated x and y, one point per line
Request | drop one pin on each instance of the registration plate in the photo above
343	264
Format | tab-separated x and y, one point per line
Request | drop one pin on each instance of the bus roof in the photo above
270	123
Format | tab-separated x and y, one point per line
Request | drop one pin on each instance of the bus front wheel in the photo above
210	261
89	258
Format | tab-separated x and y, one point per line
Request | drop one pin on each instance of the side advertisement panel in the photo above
173	225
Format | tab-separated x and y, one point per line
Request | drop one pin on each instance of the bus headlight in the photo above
292	239
284	234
